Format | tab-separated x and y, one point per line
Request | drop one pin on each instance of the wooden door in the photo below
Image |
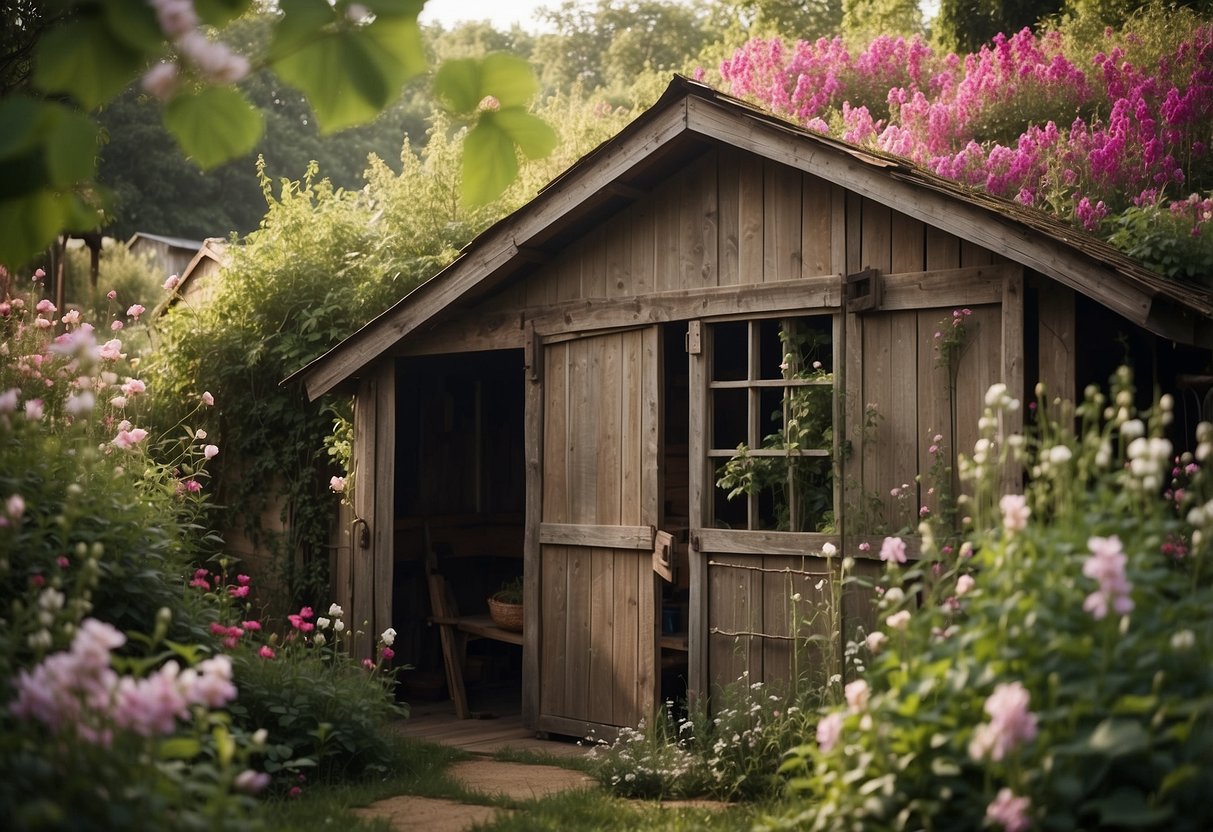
598	594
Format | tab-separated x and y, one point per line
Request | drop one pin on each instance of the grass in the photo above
421	769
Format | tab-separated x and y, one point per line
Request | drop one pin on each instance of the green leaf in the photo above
1117	737
218	12
489	163
180	748
457	84
214	125
134	23
533	135
509	78
349	76
1127	809
29	223
71	148
22	119
85	60
302	21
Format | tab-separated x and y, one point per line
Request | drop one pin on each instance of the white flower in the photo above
898	620
829	550
322	623
1183	640
875	641
338	626
319	639
857	694
1059	455
335	611
388	637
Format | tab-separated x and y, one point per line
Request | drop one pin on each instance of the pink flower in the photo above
134	387
1011	723
238	591
964	584
135	310
8	400
212	686
111	350
266	652
1015	512
127	438
899	620
243	580
337	484
39	274
368	664
63	562
829	731
1009	812
251	782
208	399
71	318
251	626
857	694
15	506
116	325
387	653
295	791
33	410
111	294
893	550
210	451
46	307
1106	565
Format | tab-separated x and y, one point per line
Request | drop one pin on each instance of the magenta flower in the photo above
266	652
238	591
243	580
251	626
387	653
893	550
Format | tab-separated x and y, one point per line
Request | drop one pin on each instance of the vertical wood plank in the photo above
667	235
618	256
1012	365
627	635
777	620
361	576
698	224
608	472
934	411
980	366
782	253
384	527
729	201
1055	313
854	235
699	486
838	230
909	244
751	187
568	272
817	215
876	243
532	555
643	252
594	265
972	254
943	249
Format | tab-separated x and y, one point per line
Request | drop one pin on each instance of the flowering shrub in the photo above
1026	117
323	710
1054	670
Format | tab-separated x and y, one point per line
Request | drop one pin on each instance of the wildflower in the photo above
118	402
135	311
898	620
111	294
829	731
1011	723
335	611
210	451
322	623
200	434
243	580
964	584
251	782
1106	565
171	283
80	403
252	626
208	399
8	400
1009	812
266	652
875	641
388	637
337	484
134	387
33	410
116	325
893	550
14	506
1015	512
338	625
127	438
387	653
238	591
1183	640
319	639
829	549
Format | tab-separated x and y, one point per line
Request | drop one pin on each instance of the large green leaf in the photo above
489	163
1116	737
214	125
86	61
457	84
399	38
71	148
30	223
302	21
508	78
534	136
21	119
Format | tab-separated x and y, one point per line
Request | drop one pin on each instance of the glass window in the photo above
771	406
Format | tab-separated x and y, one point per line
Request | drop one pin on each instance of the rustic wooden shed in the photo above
577	381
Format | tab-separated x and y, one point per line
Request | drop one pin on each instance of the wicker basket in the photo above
506	616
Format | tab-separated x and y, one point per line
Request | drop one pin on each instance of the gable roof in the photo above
689	117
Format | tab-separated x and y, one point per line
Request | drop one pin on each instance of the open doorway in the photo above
460	501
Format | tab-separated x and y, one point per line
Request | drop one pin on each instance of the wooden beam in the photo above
968	221
602	537
581	186
945	287
745	542
815	293
532	557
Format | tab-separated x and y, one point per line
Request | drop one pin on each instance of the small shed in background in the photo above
578	381
169	255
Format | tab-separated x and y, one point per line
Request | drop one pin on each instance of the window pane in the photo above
730	416
807	346
770	417
730	351
726	513
810	414
770	348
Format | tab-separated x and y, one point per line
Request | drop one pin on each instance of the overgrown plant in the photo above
1052	670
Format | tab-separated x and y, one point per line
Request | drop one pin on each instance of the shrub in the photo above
1055	671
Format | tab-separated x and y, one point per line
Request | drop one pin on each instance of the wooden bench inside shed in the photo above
454	629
